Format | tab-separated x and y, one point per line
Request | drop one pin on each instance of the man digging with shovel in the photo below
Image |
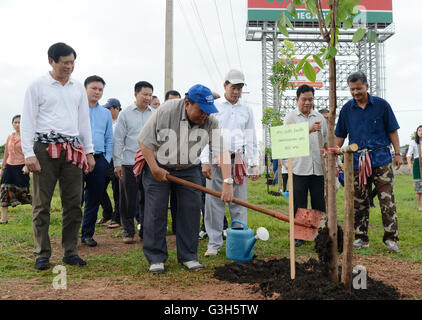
170	143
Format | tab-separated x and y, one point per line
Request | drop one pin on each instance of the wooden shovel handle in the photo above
214	193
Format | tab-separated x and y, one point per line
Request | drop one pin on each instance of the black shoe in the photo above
298	242
42	263
74	261
89	242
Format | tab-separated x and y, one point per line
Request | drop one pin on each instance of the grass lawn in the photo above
16	242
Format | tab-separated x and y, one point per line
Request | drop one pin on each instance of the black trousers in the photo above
108	212
304	184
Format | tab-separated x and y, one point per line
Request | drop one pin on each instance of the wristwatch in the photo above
228	181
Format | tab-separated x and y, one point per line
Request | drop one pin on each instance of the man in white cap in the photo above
236	120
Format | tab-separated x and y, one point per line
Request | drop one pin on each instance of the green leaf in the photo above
328	19
311	7
282	29
371	36
318	61
297	3
348	24
289	23
292	10
359	34
309	72
355	10
330	53
301	63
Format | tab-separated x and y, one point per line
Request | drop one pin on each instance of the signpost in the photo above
290	142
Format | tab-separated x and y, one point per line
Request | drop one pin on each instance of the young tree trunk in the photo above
331	175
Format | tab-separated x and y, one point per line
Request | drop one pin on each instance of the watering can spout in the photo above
249	246
261	234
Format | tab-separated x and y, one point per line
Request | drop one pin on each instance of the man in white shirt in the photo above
130	122
57	144
237	122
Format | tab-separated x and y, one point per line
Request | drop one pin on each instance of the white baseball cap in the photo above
235	77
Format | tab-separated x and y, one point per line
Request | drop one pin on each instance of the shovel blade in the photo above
309	217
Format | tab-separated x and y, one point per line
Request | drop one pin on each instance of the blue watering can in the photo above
240	241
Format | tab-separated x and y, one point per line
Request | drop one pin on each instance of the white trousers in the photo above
215	208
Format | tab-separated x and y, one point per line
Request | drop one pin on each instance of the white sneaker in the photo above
202	235
358	244
157	267
193	265
211	252
391	246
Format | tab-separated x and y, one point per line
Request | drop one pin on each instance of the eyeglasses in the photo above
67	63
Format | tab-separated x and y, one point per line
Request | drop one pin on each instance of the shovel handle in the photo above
214	193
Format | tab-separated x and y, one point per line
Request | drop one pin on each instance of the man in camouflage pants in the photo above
382	178
369	122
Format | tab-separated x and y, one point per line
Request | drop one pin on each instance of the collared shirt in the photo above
237	125
102	131
369	128
310	165
175	142
50	106
129	123
413	150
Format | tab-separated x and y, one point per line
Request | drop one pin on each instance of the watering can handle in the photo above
240	222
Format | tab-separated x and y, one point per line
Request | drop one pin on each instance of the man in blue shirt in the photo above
369	122
102	138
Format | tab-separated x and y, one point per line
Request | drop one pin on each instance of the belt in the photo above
98	155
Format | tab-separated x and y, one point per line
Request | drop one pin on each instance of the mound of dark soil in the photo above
272	278
323	243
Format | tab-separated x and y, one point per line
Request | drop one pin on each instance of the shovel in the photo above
307	222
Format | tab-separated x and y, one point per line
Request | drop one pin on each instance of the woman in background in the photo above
413	152
14	176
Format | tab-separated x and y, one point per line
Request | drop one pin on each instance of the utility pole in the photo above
168	73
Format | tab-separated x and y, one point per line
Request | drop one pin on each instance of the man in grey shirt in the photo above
307	171
129	124
171	143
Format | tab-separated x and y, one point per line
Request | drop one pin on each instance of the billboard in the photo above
372	11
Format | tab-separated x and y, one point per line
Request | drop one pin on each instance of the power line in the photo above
222	35
195	8
235	38
196	44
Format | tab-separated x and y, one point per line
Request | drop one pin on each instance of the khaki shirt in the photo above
310	165
177	144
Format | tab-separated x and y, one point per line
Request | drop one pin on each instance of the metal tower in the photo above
363	56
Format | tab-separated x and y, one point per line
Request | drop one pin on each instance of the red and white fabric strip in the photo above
139	163
239	169
74	154
365	168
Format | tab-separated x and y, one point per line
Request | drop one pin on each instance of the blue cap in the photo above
112	102
203	97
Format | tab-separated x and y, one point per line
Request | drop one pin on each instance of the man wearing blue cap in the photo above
171	142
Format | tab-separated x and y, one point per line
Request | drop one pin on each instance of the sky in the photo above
123	42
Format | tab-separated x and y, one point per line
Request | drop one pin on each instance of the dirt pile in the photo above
272	279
